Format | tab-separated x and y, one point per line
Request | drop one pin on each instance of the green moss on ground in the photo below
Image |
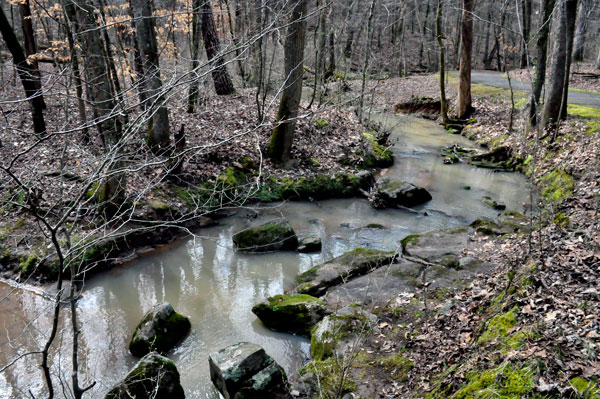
498	326
506	381
587	389
334	381
399	366
557	186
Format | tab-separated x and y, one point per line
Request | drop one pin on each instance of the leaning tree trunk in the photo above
464	107
158	136
541	50
280	144
440	40
30	47
26	74
556	98
222	81
581	30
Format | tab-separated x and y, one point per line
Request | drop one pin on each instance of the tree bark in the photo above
102	99
581	31
466	50
26	74
557	95
30	47
282	137
222	81
525	30
158	136
541	51
440	40
193	90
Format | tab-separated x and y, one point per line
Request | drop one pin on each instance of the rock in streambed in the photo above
275	235
296	314
245	370
160	330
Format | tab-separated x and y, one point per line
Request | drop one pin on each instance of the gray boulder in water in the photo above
154	376
160	330
390	193
276	235
245	370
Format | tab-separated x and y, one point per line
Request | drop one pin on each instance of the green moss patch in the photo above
499	326
585	389
504	382
332	378
399	366
557	186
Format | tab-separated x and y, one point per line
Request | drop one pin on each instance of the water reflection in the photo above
205	279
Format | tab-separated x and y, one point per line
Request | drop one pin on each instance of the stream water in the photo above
203	278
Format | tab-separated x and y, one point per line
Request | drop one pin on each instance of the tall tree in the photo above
526	8
464	107
555	106
193	90
26	73
30	46
222	81
102	99
282	137
541	51
158	136
440	39
581	30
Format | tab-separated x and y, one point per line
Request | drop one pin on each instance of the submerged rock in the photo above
390	193
492	203
245	370
345	267
498	158
296	314
311	243
160	330
154	376
272	236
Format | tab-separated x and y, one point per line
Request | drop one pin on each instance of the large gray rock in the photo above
276	235
390	193
244	371
338	333
154	376
343	268
310	243
296	314
160	330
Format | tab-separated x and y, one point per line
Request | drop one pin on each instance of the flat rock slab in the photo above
296	314
154	376
436	245
160	330
276	235
245	370
343	268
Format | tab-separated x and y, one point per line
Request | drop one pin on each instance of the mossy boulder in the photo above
337	333
154	376
492	203
389	193
343	268
296	314
500	158
160	330
245	370
310	243
276	235
375	155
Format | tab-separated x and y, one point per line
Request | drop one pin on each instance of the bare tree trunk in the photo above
440	40
102	100
283	134
581	31
541	52
352	27
367	60
560	68
525	30
234	39
137	60
26	74
466	49
222	81
30	47
423	32
193	90
158	136
331	64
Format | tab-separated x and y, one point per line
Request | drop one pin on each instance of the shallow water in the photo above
205	279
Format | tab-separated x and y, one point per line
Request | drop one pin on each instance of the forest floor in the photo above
531	328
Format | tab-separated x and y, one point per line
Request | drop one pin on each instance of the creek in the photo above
205	279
